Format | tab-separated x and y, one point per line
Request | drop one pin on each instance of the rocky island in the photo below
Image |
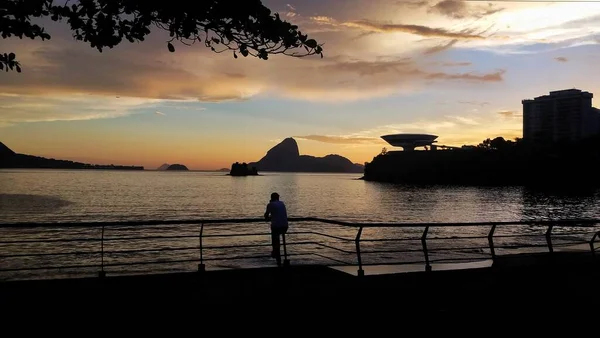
179	167
242	169
166	166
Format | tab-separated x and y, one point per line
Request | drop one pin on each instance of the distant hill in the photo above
286	157
10	159
179	167
163	167
5	151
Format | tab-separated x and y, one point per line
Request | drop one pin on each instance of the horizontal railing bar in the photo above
462	259
110	239
74	253
106	252
237	235
421	250
252	245
25	241
394	263
419	238
330	236
557	223
517	246
338	249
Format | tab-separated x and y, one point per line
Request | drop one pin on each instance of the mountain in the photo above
163	167
5	151
179	167
10	159
286	157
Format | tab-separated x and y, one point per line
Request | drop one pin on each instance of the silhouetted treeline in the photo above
242	169
493	162
10	159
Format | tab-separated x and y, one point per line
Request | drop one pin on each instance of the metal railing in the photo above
29	247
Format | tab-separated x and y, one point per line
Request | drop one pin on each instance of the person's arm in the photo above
268	211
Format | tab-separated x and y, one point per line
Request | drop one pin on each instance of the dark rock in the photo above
180	167
242	169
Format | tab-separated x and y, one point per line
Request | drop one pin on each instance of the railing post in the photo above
361	272
286	261
102	273
201	266
425	251
491	242
592	242
549	238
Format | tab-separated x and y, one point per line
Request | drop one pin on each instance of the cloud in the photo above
291	13
34	108
456	64
64	71
509	114
475	103
406	69
413	4
160	113
491	77
561	59
341	139
440	48
458	9
420	30
465	120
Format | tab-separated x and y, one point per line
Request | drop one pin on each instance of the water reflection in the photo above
44	195
554	204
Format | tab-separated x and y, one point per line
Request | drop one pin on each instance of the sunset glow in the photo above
457	69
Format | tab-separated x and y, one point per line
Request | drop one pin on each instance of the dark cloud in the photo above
561	59
404	70
370	68
441	47
413	29
459	9
340	139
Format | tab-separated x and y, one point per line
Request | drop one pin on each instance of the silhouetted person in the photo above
277	214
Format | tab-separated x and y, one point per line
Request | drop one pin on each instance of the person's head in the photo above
274	196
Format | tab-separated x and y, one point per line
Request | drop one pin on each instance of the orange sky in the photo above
452	68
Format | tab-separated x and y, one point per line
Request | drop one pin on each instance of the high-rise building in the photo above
563	115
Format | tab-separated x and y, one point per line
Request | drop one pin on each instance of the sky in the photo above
456	69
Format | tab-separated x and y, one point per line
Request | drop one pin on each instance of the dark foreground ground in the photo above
541	291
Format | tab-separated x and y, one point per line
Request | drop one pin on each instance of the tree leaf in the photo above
18	68
311	43
11	56
171	47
